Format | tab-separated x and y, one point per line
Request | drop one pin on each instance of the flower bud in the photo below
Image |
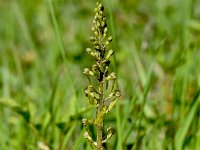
113	75
86	135
88	50
117	93
92	39
96	43
105	30
101	13
86	92
110	129
110	53
90	88
96	55
108	78
86	71
85	122
98	24
95	17
91	73
100	6
94	21
95	10
111	95
97	47
93	29
109	40
94	67
96	33
110	132
103	24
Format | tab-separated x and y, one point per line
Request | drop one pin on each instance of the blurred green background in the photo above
157	60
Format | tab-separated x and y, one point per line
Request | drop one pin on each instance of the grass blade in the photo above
183	129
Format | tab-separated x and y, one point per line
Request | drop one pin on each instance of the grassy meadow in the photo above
157	61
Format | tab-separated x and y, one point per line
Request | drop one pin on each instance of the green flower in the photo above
101	73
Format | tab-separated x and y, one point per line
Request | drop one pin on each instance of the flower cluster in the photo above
100	72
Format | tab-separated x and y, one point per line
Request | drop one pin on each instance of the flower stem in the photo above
100	72
100	121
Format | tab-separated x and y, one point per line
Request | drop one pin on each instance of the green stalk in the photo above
100	123
99	71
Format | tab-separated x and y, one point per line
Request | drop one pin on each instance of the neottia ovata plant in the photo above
101	91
